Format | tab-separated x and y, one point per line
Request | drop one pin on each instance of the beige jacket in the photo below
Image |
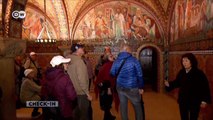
77	71
29	91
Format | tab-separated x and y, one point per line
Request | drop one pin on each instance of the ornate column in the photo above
9	48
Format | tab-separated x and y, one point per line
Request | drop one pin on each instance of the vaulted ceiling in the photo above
63	14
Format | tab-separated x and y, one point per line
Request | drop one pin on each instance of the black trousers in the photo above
90	111
105	100
143	109
106	104
189	111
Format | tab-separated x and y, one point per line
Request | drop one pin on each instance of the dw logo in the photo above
18	14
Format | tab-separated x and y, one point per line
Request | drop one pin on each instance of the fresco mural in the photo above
1	26
117	21
192	18
34	26
0	10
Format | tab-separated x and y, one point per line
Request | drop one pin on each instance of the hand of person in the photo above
89	97
141	91
109	92
166	83
203	104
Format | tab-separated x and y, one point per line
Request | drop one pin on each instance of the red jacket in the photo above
104	75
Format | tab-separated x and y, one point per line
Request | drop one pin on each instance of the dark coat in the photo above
107	81
104	75
60	86
193	87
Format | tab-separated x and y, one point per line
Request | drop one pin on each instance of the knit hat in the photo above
57	60
28	71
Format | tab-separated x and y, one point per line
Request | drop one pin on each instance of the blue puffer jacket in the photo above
131	75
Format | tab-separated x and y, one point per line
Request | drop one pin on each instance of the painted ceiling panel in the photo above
70	7
34	24
150	3
49	9
38	3
73	7
118	20
0	10
62	19
164	4
58	17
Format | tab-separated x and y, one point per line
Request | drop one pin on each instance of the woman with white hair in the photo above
30	90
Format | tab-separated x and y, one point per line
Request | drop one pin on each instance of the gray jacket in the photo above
78	73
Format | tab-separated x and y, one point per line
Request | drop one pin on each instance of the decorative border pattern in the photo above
8	17
62	20
192	45
72	18
206	52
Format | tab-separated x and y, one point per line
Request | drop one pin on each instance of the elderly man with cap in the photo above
60	87
77	71
30	90
31	63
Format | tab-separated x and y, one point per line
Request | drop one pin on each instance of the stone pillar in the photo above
7	84
9	48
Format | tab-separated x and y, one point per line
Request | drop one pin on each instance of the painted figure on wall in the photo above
143	26
150	27
119	24
172	31
35	27
180	5
128	22
101	28
176	27
139	25
110	20
209	13
88	28
196	20
188	14
32	25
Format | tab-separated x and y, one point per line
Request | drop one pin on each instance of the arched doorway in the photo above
148	60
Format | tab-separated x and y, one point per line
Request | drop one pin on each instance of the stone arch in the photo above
160	66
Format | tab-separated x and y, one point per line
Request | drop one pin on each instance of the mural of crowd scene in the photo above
192	18
117	21
35	27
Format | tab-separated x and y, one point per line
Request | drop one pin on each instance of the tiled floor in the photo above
157	107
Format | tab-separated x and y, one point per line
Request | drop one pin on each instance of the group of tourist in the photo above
119	79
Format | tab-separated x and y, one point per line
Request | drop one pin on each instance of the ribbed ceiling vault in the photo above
63	14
